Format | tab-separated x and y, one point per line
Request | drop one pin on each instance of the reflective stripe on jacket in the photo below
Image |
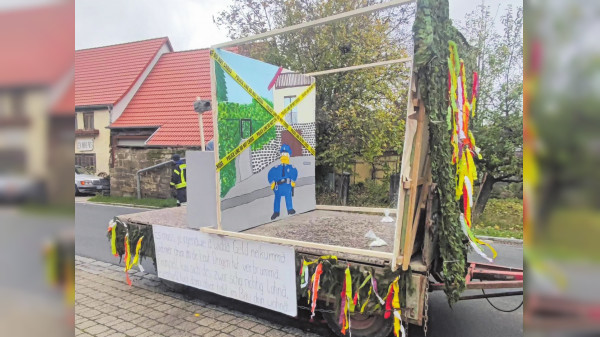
178	177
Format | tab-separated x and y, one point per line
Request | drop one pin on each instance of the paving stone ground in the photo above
105	306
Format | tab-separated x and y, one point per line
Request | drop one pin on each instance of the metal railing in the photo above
137	174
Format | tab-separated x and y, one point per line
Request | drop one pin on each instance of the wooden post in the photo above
414	177
215	116
422	201
409	136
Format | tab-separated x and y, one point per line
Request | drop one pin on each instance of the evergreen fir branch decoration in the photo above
432	30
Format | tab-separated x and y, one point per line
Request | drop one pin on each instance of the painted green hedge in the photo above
230	115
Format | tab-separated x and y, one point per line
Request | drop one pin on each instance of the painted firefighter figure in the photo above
283	180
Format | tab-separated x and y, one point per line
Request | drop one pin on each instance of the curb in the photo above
501	240
123	205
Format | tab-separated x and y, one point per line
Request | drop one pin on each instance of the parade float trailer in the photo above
233	239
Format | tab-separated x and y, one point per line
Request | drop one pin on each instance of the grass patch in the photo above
152	202
59	210
501	218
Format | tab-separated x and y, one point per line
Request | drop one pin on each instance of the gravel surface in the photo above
330	227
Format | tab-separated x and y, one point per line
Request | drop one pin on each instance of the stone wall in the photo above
154	183
309	133
270	151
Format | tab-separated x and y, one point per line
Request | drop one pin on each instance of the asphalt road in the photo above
468	318
91	223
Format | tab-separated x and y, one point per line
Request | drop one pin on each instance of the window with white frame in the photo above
292	116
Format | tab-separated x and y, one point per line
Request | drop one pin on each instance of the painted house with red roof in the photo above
160	120
106	80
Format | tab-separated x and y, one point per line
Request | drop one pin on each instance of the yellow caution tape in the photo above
277	117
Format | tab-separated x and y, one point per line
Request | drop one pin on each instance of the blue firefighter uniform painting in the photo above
283	180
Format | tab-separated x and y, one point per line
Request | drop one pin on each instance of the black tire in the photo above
77	191
362	325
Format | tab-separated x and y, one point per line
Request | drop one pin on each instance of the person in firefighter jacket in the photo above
283	180
178	180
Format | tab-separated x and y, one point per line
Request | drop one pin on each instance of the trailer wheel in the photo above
362	325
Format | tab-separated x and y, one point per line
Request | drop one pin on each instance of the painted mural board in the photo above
266	166
258	273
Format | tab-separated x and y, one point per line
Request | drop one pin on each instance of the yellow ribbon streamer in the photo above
466	171
349	290
495	254
52	271
396	306
136	258
113	238
304	273
362	309
127	253
324	257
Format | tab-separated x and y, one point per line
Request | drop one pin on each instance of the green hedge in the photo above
230	115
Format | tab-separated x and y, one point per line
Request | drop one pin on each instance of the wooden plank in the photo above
420	205
415	300
370	210
429	237
269	239
361	66
215	116
314	23
349	257
409	134
406	184
425	174
422	202
414	175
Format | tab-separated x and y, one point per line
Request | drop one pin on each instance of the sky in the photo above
187	23
255	73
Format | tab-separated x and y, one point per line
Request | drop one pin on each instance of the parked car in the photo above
20	189
86	182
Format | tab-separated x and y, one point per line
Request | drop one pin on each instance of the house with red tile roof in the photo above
164	102
36	69
160	120
106	80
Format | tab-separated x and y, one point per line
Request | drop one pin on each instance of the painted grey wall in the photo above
250	204
201	189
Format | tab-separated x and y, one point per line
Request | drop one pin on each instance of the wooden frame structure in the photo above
415	172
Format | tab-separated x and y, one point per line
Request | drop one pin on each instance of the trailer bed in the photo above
321	226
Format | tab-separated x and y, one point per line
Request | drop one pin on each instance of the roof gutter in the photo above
134	127
93	107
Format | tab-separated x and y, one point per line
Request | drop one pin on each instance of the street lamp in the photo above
201	106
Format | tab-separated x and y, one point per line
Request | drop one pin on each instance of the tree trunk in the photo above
485	190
